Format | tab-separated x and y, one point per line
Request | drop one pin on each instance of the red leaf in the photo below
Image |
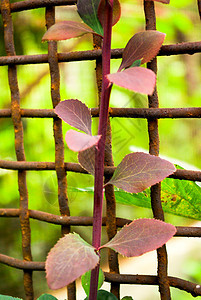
162	1
68	259
87	159
116	11
141	236
137	171
78	141
75	113
137	79
66	30
143	45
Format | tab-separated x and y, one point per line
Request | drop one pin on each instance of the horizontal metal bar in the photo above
26	5
182	231
155	113
75	167
192	288
167	50
30	113
145	113
179	283
186	175
22	264
39	166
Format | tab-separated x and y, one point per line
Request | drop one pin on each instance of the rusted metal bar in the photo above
145	113
154	113
19	146
192	288
182	231
180	48
22	264
167	50
158	213
58	135
49	218
57	123
186	175
75	167
199	7
27	4
111	227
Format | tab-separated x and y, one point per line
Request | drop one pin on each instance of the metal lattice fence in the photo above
152	114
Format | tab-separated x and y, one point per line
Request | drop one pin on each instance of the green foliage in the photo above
4	297
104	295
86	281
136	63
182	198
88	12
179	197
46	297
42	297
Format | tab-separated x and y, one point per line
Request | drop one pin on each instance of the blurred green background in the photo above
178	86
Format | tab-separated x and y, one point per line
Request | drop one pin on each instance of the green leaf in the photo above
104	295
46	297
127	298
4	297
179	197
136	63
88	11
86	281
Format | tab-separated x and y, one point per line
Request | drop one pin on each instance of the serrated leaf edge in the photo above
127	225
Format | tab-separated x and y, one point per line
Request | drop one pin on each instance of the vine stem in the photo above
100	150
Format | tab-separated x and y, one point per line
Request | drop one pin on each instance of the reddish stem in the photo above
100	152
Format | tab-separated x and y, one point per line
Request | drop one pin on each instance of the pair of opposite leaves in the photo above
72	257
135	173
92	13
141	48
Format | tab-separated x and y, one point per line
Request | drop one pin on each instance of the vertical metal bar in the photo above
19	146
109	189
111	215
199	7
164	288
58	135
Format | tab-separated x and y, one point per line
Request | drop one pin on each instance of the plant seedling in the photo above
71	257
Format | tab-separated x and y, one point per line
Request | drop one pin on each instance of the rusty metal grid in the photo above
152	114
